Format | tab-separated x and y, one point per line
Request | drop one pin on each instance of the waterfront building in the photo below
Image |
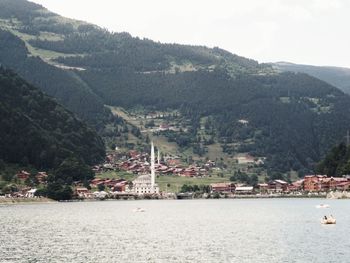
81	192
244	190
278	186
317	183
263	188
313	183
30	193
145	184
223	187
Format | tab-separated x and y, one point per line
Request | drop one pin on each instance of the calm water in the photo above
278	230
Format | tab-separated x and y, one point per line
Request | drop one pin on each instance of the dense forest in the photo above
337	161
336	76
63	85
292	119
36	131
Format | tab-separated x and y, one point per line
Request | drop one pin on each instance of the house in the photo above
244	122
313	183
296	186
263	188
30	193
23	175
189	172
247	159
343	186
121	186
41	177
210	164
173	162
164	127
169	171
223	187
244	190
335	183
82	192
95	182
277	186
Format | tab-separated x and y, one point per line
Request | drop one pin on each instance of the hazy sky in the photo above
301	31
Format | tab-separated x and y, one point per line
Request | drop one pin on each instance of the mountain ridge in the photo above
336	76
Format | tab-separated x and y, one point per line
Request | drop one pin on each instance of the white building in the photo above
145	184
30	193
247	159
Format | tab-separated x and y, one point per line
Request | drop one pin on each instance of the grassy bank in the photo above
5	201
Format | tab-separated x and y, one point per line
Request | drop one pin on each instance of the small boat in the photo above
322	206
328	220
139	209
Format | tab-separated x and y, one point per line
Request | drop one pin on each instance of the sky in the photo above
314	32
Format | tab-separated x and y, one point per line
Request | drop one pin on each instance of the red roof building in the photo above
313	183
278	186
41	177
23	175
223	187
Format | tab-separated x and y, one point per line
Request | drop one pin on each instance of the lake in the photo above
224	230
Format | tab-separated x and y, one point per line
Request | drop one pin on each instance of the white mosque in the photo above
145	184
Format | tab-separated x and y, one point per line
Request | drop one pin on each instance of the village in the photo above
143	168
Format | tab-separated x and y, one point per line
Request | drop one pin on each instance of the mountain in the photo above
15	18
34	41
292	119
36	131
336	76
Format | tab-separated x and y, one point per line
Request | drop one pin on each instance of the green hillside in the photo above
36	131
18	24
224	100
336	76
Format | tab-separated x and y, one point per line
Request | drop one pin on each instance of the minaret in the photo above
152	166
158	157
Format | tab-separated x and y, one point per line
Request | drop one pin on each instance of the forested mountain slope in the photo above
36	131
292	119
336	76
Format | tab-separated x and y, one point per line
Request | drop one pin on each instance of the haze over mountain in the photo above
303	32
336	76
292	119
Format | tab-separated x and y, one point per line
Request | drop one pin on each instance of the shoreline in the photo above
43	200
14	201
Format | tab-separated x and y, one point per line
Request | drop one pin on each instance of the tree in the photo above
86	184
253	180
57	191
101	187
73	169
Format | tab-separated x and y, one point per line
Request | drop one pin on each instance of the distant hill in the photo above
336	76
36	131
291	119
